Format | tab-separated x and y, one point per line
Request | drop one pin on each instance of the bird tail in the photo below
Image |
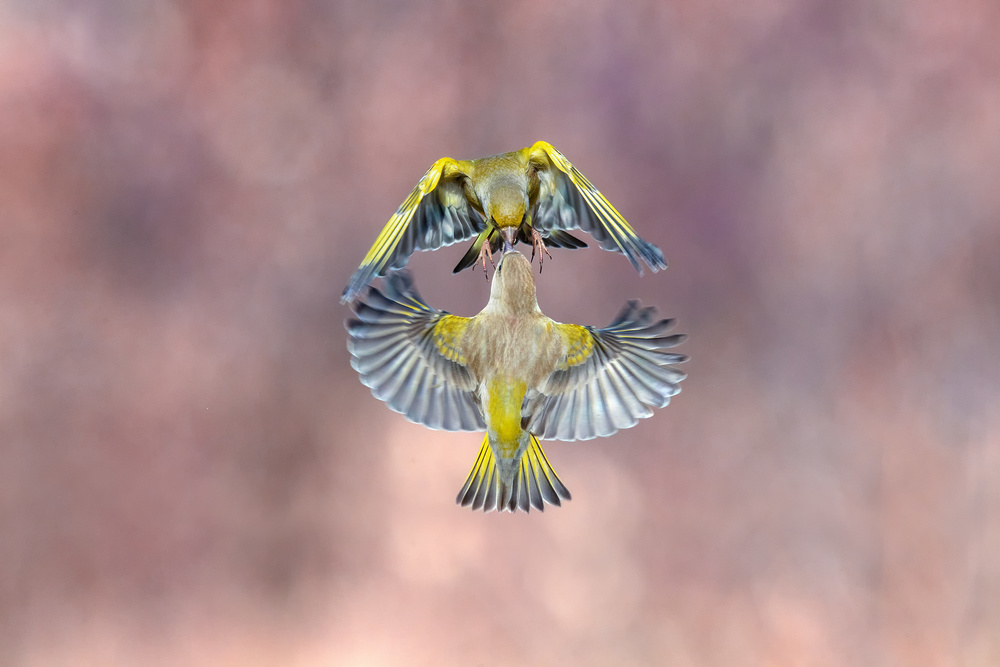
535	483
558	238
472	254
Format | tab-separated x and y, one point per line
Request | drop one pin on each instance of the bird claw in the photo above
538	243
486	253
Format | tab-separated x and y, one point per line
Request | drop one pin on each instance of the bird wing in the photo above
409	355
608	379
567	200
435	214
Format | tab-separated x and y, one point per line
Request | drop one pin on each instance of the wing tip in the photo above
650	255
359	280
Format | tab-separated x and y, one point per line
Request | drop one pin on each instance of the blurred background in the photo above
192	474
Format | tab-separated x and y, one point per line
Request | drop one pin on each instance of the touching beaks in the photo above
509	237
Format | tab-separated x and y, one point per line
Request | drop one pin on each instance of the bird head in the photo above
513	286
506	205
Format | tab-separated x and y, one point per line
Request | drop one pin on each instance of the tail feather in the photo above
535	484
472	254
546	482
558	238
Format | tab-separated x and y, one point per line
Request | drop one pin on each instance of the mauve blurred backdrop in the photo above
191	473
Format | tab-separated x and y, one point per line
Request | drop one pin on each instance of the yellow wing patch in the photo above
578	343
552	154
448	337
388	238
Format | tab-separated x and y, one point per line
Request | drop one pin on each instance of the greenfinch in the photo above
533	195
514	373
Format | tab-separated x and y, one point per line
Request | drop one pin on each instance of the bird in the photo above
514	373
533	195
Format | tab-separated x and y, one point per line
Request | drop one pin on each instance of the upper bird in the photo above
531	195
514	373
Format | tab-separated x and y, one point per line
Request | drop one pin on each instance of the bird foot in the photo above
486	253
538	244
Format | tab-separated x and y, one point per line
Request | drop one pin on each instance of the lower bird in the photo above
514	373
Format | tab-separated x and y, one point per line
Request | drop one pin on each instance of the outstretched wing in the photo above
408	354
609	379
567	200
434	215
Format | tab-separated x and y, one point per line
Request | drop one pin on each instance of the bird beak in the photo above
509	238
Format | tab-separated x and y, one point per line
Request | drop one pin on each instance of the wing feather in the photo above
404	352
435	214
610	379
567	200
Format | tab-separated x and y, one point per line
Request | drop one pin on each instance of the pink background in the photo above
191	473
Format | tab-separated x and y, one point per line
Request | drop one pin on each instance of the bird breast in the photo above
526	349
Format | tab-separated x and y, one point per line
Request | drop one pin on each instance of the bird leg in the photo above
486	253
538	243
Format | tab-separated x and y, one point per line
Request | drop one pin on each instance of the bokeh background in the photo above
191	473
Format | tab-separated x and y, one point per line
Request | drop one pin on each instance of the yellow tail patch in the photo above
503	409
536	483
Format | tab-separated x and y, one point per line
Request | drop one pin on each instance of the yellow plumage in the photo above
532	195
514	373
